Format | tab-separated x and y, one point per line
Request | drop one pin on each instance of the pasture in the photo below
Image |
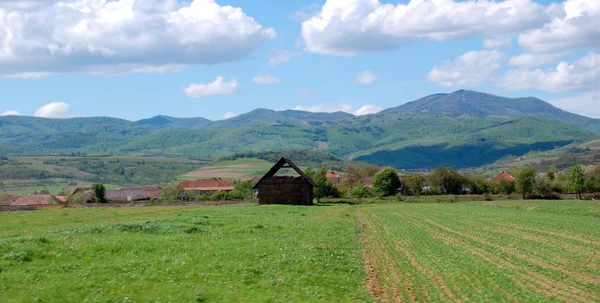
525	251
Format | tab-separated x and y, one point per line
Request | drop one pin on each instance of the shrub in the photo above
526	181
99	191
387	182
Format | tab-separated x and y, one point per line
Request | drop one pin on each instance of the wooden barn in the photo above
285	189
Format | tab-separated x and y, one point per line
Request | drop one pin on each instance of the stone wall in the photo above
285	190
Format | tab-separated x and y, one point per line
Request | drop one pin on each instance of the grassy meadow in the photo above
503	251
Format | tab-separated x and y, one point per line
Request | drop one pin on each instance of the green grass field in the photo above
505	251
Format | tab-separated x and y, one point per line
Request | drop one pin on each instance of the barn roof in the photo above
282	164
31	200
134	193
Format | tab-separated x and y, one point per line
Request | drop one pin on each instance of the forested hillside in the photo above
462	129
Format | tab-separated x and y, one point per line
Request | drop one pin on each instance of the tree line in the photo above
528	182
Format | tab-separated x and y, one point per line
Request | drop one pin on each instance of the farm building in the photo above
285	189
503	176
333	177
132	194
32	200
191	189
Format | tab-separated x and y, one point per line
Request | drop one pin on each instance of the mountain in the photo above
462	129
465	102
267	117
172	122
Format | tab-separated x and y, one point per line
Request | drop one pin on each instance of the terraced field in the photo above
476	253
505	251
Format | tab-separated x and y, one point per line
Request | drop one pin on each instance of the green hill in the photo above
462	129
464	102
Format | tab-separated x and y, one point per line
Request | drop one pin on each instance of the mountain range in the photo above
460	129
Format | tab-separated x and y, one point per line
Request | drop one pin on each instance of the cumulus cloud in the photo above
582	74
576	26
280	56
468	70
367	110
331	108
529	60
122	36
10	113
266	79
216	88
53	110
229	115
587	104
366	77
348	27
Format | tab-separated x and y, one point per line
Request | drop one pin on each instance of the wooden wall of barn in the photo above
285	190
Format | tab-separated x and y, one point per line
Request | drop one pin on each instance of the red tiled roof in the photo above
367	181
503	176
331	175
62	198
31	200
213	184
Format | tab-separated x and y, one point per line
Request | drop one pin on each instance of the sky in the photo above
134	59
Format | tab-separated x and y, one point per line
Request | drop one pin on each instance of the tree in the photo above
526	181
504	186
413	184
387	181
577	180
321	182
351	177
480	186
447	181
99	191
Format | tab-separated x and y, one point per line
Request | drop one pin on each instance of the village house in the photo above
503	176
31	200
333	177
132	194
192	189
288	190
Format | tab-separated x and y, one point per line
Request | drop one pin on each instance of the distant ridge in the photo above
465	102
461	129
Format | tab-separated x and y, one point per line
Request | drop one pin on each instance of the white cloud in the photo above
468	70
229	115
216	88
331	108
280	56
529	60
367	110
582	74
576	26
54	110
325	108
587	104
266	79
348	27
122	36
10	113
498	42
366	77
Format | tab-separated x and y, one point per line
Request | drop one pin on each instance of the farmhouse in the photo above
503	176
333	177
132	194
285	189
367	182
191	189
31	200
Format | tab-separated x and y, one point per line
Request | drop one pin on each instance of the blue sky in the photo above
136	59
